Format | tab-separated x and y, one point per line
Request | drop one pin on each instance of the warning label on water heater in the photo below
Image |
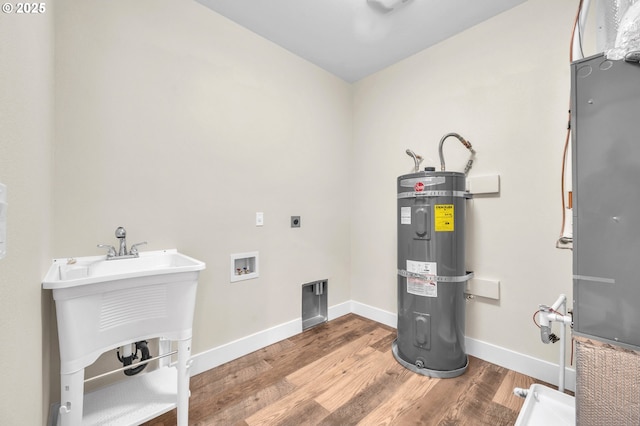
426	284
443	217
405	215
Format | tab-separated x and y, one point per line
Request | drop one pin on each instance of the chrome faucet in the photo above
121	235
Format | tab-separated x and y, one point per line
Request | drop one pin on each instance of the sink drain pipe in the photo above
127	358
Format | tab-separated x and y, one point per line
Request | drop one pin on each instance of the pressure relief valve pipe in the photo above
464	142
545	325
547	316
416	160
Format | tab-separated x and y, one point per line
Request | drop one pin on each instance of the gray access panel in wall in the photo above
314	303
606	193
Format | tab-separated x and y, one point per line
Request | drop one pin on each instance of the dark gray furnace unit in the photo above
606	174
605	126
431	273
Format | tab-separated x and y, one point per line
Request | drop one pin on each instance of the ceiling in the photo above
355	38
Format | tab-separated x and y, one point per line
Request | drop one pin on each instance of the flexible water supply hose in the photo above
464	142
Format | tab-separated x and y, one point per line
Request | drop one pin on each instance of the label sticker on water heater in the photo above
422	268
405	215
426	284
443	217
422	287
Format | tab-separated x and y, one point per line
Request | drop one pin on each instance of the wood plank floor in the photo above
343	373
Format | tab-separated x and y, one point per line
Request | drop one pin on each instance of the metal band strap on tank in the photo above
439	278
459	194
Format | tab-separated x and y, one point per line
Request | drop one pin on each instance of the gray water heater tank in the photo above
431	273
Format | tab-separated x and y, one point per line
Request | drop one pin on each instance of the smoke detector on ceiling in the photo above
387	6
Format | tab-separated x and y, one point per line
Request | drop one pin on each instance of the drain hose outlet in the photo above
128	360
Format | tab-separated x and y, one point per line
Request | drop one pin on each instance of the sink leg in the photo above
71	397
184	354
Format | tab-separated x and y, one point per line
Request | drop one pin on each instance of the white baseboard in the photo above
336	311
521	363
375	314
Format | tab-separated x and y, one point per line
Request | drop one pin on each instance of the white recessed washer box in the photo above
244	266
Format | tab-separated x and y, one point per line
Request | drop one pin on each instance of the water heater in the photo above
431	273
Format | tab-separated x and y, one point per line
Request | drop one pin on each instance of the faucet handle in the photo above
112	249
134	248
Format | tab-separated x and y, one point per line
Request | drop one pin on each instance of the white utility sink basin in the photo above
73	272
104	304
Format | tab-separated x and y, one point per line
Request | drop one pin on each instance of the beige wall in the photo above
504	85
26	135
179	125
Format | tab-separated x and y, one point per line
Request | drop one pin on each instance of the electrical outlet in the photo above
295	221
259	219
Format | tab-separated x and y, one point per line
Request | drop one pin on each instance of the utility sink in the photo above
81	271
104	304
